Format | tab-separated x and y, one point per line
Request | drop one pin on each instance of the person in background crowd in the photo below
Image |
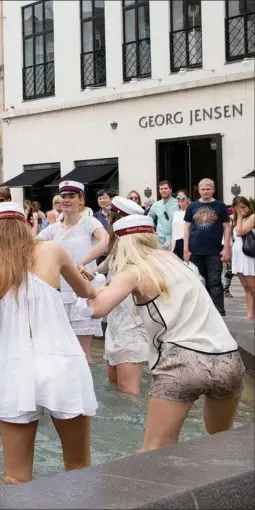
104	198
162	214
183	200
192	352
134	195
43	366
56	213
228	275
85	211
42	220
242	265
147	206
31	217
85	240
5	194
207	220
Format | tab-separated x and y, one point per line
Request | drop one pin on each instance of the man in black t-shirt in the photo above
207	220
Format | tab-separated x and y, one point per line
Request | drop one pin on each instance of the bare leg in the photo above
164	422
219	414
18	451
85	341
129	378
248	283
74	435
112	373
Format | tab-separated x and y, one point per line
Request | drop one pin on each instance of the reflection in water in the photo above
117	429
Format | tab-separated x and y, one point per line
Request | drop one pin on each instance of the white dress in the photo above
240	262
126	340
78	242
41	360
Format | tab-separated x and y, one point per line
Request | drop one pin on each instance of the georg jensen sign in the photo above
193	116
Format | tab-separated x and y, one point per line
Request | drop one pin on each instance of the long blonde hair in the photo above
16	254
141	255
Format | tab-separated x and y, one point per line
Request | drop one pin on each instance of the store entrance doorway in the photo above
185	161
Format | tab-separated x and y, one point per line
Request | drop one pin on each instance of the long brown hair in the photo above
16	254
241	200
112	217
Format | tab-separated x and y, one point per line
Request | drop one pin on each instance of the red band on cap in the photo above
118	210
11	215
71	188
141	229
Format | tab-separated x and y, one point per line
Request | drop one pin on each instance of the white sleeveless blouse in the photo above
190	320
41	360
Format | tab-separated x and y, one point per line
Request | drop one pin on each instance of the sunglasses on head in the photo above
181	198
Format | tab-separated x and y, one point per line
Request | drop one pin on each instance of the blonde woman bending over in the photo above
192	353
42	365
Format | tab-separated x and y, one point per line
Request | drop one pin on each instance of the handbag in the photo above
249	244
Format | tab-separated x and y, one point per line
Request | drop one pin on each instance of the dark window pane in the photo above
144	58
99	34
251	33
87	36
39	54
130	60
250	6
86	9
39	80
28	21
99	8
49	47
143	22
194	13
130	35
28	46
177	14
49	15
129	2
38	14
233	8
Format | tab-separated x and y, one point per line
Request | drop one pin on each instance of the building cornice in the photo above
154	89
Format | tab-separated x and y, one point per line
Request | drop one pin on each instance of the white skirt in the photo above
126	340
82	326
240	262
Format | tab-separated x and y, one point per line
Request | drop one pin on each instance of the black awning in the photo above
87	174
251	174
32	178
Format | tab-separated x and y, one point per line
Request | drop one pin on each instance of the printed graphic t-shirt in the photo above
206	232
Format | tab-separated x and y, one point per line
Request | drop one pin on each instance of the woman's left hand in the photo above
88	275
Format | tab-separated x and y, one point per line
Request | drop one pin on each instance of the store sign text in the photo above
199	115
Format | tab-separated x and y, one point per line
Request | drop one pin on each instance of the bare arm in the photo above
227	234
107	299
70	273
242	228
103	268
101	237
186	252
34	228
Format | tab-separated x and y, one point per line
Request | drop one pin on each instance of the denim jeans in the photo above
210	267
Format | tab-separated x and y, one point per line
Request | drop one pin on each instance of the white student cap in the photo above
66	187
134	224
11	211
124	206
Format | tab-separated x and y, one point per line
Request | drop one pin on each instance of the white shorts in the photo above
36	415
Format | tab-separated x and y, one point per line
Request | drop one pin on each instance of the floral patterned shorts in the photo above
183	375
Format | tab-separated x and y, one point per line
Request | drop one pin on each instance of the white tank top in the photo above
190	320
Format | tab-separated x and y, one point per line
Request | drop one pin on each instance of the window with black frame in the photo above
136	39
240	29
93	63
185	34
38	50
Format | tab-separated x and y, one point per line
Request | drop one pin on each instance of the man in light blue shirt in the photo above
162	214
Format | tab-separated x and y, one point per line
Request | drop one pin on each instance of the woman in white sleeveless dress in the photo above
42	365
192	353
242	265
84	239
126	341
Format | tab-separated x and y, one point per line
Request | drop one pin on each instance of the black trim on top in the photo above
165	329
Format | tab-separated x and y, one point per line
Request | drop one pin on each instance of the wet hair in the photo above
5	194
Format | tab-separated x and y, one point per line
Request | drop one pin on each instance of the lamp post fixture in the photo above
236	190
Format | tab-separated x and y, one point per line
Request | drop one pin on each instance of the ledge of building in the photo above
149	89
211	472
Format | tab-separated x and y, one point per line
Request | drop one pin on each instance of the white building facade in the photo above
127	94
